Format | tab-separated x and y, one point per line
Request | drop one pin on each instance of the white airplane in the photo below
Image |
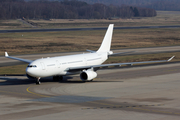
85	64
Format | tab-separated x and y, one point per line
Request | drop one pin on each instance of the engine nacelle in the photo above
88	75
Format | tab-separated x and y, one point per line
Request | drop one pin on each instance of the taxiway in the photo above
80	29
146	92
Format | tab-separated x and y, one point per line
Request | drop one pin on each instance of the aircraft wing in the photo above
20	59
95	67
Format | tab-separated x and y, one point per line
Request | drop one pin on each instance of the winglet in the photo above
6	54
171	58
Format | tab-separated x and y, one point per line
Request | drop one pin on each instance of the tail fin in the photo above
106	43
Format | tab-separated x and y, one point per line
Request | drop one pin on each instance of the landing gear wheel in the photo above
55	78
91	80
61	78
38	82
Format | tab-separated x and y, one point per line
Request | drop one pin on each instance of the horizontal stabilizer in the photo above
171	58
6	54
91	51
121	53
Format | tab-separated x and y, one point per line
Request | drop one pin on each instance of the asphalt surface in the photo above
133	93
148	92
145	92
79	29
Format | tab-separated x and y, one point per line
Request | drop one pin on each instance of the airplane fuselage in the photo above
56	66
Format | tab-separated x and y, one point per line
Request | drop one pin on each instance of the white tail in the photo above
106	43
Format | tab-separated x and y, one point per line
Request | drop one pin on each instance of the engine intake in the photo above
88	75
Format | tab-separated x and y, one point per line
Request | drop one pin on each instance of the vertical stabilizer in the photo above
106	43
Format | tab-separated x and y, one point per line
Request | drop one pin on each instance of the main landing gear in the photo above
38	81
55	78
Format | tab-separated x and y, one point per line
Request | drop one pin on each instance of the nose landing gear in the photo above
38	81
55	78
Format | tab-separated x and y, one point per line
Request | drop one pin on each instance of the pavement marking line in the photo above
35	93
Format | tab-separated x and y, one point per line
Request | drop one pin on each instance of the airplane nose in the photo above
30	72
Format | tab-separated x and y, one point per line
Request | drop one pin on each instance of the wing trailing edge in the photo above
116	64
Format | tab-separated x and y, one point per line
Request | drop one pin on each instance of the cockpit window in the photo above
31	66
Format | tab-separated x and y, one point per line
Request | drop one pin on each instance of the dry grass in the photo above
145	38
146	57
12	24
47	42
17	69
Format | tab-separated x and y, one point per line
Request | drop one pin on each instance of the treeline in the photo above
13	9
120	2
167	5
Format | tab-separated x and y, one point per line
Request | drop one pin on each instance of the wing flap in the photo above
91	51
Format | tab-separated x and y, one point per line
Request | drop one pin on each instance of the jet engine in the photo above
88	75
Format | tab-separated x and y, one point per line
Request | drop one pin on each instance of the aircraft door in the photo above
43	66
85	61
58	64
